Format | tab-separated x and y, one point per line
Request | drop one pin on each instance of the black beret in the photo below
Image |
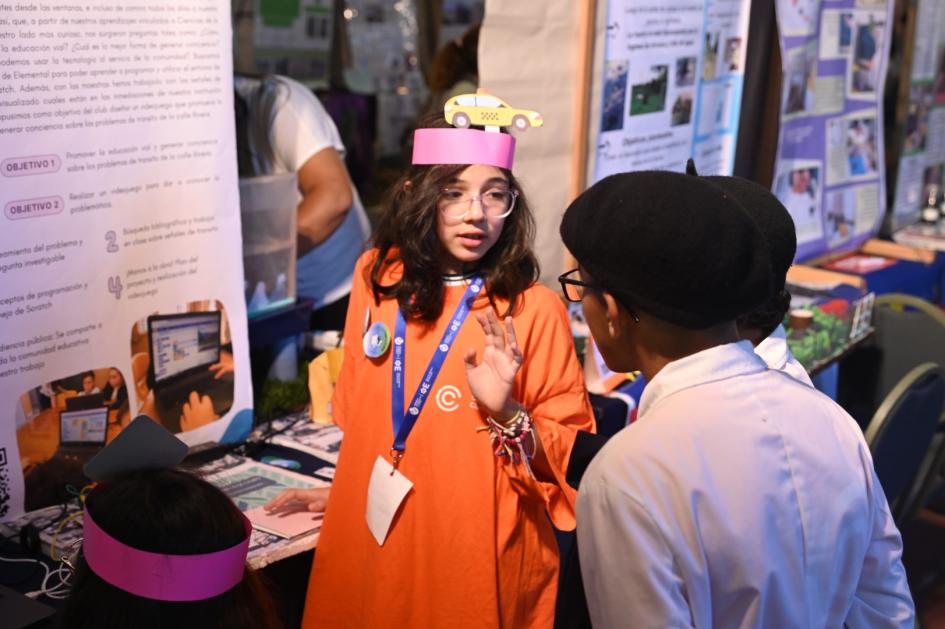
771	217
674	246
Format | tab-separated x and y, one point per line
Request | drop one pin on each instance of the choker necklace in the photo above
456	279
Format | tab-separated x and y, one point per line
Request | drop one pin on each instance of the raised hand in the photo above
491	380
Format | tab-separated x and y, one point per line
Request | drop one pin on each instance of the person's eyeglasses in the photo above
496	203
573	290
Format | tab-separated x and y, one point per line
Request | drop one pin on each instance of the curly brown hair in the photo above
406	233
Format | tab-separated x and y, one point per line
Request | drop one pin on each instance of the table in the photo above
319	440
824	363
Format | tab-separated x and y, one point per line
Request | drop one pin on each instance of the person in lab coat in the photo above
763	325
740	497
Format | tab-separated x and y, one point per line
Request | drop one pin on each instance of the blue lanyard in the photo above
404	422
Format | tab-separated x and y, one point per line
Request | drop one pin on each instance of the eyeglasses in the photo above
495	203
573	290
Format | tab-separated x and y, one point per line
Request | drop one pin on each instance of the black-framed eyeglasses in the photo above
573	290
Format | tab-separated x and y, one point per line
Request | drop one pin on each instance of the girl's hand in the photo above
491	380
292	500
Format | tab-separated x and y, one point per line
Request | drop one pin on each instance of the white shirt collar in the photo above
774	349
716	363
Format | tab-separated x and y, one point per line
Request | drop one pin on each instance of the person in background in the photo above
472	542
763	326
115	391
455	69
739	497
167	515
88	384
283	128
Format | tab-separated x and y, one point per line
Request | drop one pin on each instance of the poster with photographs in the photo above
294	39
669	94
829	170
121	270
919	178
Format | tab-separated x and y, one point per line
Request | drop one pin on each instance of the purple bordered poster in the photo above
830	160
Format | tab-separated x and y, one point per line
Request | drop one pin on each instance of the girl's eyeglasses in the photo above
573	290
495	203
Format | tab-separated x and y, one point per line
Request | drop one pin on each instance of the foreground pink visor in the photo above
159	576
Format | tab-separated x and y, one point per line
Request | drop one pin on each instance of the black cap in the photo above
771	217
674	246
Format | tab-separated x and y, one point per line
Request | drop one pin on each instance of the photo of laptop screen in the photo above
183	343
83	427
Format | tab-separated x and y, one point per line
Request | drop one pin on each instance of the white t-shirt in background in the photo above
301	128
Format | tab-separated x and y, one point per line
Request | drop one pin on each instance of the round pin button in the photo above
376	340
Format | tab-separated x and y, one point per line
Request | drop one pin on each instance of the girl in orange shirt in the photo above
453	525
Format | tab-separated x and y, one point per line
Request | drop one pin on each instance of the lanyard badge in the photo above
403	422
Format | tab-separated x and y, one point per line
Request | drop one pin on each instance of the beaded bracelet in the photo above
515	439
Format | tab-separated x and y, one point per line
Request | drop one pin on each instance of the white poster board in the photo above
672	85
120	256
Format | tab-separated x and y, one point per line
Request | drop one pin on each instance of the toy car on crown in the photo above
487	111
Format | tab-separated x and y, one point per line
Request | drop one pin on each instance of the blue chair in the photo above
900	436
909	332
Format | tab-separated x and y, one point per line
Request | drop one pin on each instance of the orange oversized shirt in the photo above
472	544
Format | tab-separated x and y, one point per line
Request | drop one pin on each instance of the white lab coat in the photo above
739	498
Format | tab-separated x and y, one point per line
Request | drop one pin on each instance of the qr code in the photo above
4	484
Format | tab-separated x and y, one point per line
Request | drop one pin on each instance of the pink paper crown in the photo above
463	146
159	576
471	146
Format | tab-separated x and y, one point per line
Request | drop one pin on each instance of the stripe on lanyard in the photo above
404	422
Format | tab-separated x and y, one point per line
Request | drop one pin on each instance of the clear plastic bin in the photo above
268	208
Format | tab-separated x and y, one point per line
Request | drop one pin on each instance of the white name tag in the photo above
386	492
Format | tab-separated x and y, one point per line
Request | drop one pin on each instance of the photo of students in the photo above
685	71
710	55
182	364
801	74
846	32
801	194
867	47
799	190
840	209
115	392
60	425
88	384
861	147
733	54
682	109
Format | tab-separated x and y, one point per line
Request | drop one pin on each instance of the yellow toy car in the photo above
487	111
